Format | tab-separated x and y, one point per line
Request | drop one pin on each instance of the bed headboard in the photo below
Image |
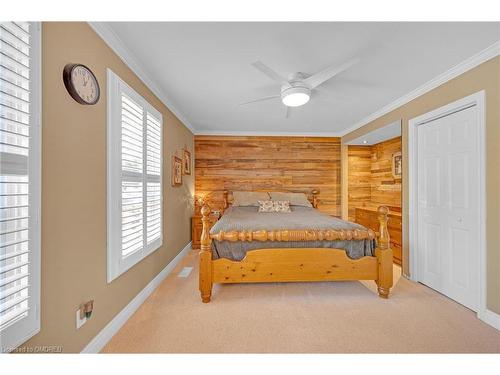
312	196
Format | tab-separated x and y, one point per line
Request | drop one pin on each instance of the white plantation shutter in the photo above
19	182
153	173
134	177
132	199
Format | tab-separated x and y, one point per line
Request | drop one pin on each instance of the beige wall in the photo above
74	193
484	77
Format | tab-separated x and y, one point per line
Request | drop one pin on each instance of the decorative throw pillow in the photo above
295	199
248	198
274	206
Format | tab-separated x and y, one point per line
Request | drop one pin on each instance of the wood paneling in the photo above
385	189
370	179
368	217
359	177
268	163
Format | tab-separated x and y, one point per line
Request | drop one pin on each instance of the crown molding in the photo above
466	65
117	45
267	134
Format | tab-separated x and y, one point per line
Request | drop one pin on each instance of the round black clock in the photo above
81	84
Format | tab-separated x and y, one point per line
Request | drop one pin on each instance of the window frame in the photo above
116	264
19	332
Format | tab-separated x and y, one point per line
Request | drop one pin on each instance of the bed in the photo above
246	246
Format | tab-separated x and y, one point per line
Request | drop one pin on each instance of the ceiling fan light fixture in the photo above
295	96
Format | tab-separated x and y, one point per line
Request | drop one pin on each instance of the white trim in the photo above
117	45
30	325
490	317
117	265
477	99
103	337
466	65
268	134
37	166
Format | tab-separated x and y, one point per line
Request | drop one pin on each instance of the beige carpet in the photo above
330	317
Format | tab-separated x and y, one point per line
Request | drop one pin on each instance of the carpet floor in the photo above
325	317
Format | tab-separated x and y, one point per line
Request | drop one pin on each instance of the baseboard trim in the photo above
490	317
103	337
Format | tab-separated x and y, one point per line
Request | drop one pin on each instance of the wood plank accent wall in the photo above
384	188
370	180
268	163
359	177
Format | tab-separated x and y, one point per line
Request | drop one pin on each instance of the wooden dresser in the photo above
197	228
367	216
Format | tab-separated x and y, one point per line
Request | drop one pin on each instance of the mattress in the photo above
301	218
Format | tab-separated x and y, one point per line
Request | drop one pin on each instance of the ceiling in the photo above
382	134
205	68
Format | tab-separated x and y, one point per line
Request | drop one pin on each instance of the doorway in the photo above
375	178
446	181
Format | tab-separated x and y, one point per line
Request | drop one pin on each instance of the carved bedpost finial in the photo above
205	234
315	194
205	256
384	239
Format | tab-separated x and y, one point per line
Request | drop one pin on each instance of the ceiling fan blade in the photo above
320	77
261	99
270	73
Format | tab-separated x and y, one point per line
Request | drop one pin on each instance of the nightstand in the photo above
197	228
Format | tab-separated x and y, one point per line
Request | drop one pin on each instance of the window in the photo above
134	177
19	182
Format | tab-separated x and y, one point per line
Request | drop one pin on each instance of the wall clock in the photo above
81	84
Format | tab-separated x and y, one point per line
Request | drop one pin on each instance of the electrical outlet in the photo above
80	322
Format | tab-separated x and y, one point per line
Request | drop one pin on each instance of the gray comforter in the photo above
248	218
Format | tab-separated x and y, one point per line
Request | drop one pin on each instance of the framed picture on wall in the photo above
186	162
397	165
176	171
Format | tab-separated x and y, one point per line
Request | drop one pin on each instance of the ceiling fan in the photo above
297	90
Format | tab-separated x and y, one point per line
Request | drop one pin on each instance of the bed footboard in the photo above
296	264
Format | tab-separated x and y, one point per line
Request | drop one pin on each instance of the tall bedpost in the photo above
315	194
384	254
205	256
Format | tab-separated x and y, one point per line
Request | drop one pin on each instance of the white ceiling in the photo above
204	68
385	133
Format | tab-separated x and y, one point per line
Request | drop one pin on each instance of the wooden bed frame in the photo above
295	264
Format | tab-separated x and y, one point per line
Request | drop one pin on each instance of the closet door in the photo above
448	206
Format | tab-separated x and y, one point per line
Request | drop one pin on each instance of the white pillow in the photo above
295	199
249	198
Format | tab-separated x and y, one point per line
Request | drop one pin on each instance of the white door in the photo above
448	206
